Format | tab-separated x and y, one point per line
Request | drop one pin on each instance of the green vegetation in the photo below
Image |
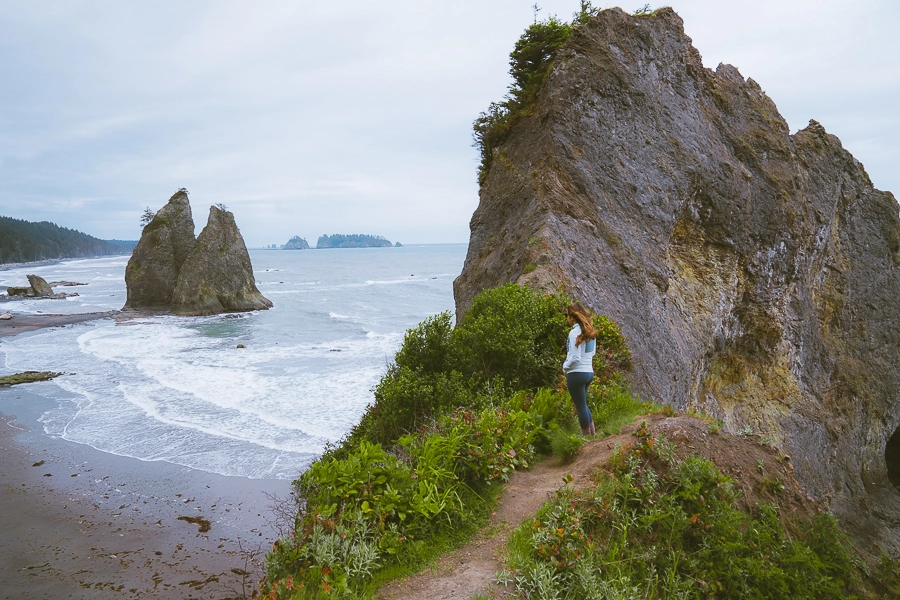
660	527
529	64
458	411
352	241
24	241
27	377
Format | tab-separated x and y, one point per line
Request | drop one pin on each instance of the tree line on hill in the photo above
26	241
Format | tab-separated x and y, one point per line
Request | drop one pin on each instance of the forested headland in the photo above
26	241
352	241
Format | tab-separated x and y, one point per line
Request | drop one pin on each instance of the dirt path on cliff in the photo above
470	570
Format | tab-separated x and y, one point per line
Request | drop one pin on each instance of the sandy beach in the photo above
80	523
24	322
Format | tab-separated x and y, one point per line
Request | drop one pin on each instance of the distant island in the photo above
353	241
296	243
26	241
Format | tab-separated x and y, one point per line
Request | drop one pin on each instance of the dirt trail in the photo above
470	570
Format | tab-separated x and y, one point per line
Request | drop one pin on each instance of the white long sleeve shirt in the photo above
579	359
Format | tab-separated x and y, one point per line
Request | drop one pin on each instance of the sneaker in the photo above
591	430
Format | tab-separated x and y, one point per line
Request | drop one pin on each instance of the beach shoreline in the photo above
25	322
81	523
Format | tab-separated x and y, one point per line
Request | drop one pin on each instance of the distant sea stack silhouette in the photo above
755	273
171	270
296	243
217	275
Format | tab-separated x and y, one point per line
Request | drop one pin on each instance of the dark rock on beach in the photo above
754	272
40	286
37	288
217	275
165	243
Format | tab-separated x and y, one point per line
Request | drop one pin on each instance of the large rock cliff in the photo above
217	275
754	272
171	270
155	262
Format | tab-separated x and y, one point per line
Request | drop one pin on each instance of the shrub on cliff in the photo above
512	338
662	527
529	63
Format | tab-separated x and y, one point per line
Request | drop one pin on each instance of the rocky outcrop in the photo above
37	288
296	243
217	275
165	243
40	286
755	273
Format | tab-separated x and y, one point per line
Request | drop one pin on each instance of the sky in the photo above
309	118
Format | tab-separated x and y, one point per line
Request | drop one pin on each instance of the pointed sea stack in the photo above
755	273
165	243
217	275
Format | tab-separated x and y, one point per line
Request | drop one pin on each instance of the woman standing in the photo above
581	346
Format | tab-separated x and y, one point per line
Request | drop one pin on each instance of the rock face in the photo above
217	275
755	273
165	243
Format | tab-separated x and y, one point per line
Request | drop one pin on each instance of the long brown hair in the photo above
583	318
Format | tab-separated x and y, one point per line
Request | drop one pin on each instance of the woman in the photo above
581	346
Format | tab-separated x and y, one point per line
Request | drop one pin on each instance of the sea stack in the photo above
755	273
171	270
217	275
165	243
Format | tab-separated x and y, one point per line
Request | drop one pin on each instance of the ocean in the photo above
178	389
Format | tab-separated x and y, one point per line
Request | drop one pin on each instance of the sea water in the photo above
179	389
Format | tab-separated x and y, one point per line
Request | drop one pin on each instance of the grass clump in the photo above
566	445
661	527
458	411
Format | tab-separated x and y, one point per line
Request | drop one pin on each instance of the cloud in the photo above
312	117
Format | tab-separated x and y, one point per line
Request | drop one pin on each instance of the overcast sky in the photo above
306	118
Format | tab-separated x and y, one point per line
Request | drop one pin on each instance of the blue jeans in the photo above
578	384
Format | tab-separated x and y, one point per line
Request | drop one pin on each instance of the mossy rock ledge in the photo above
754	272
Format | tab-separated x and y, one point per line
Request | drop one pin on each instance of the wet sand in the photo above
88	524
23	322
